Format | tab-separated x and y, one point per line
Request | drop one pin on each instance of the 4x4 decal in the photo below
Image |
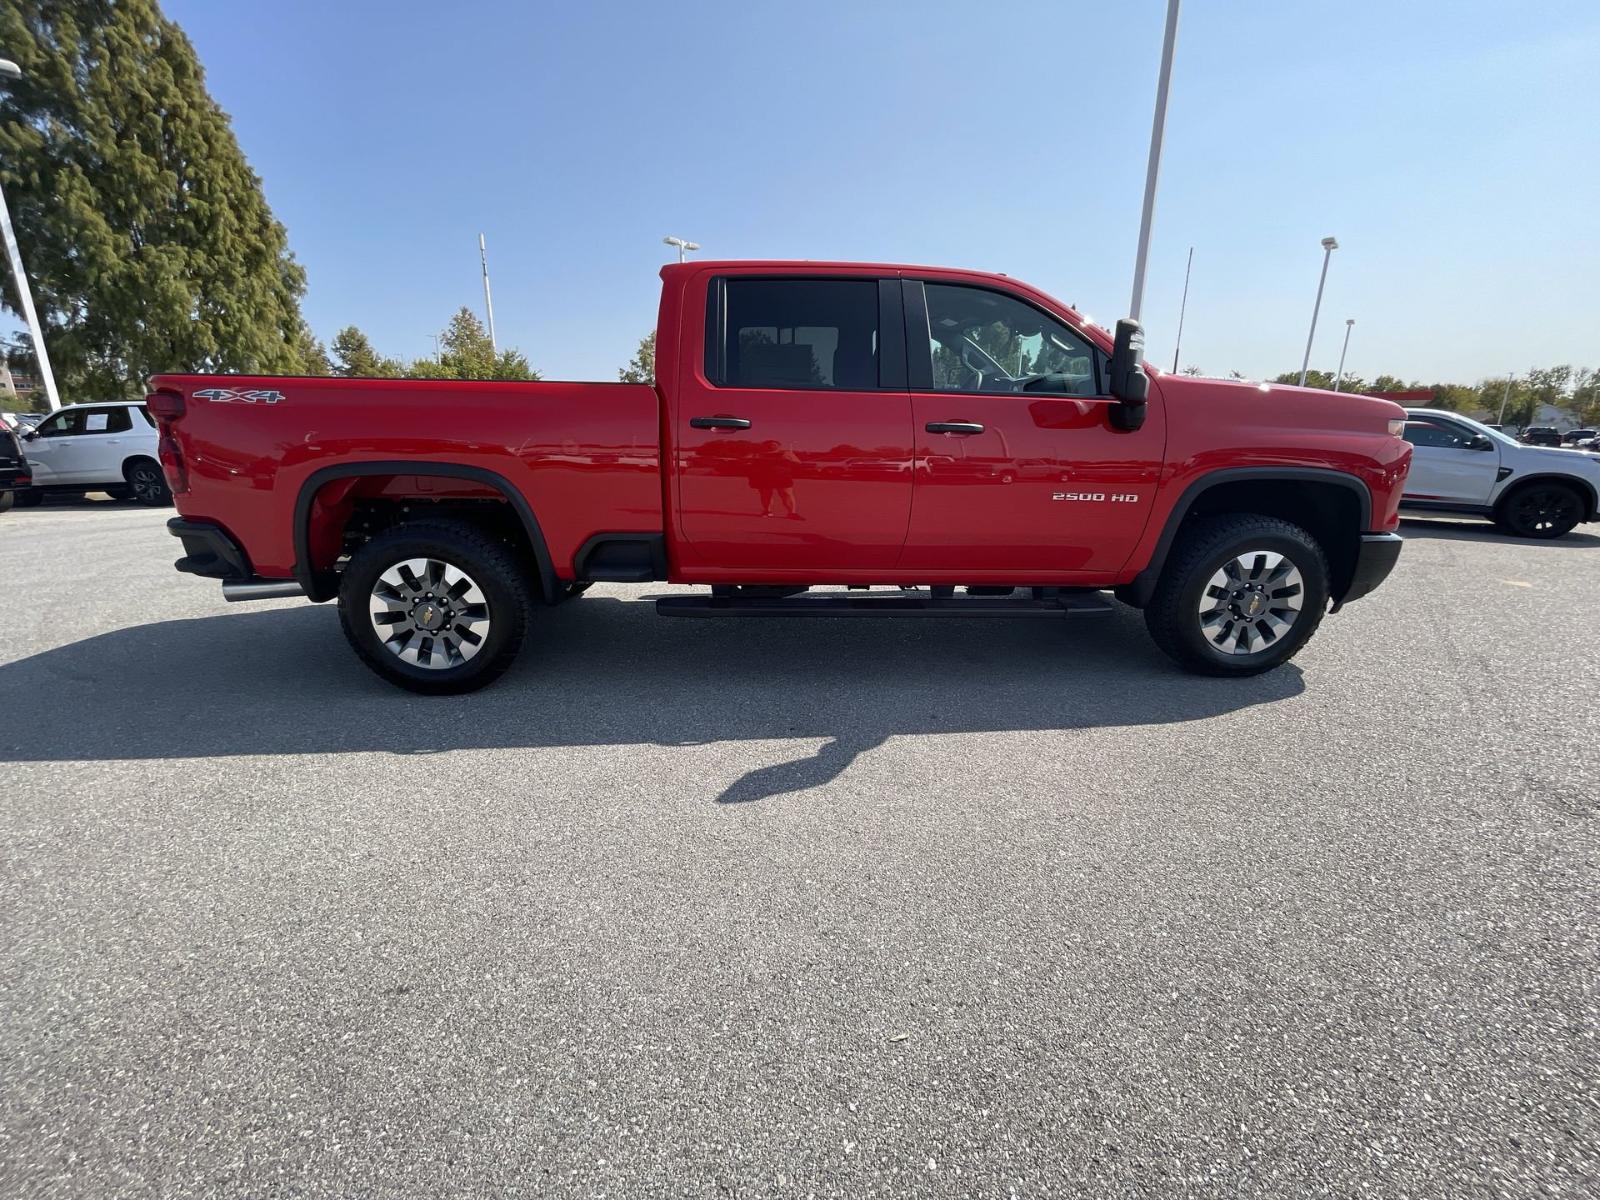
239	395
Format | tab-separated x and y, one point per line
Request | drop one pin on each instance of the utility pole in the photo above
1505	396
1348	324
1177	345
488	300
1153	167
1329	245
9	70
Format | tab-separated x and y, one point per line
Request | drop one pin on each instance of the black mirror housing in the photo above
1129	384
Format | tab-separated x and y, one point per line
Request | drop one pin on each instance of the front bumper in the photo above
1374	560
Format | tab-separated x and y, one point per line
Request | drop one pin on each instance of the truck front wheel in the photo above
1240	594
438	607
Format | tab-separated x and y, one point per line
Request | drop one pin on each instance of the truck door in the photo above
793	429
1018	467
1450	461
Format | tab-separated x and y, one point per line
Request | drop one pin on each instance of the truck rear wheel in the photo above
438	607
1240	594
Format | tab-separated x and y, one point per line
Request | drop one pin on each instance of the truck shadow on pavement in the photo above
606	671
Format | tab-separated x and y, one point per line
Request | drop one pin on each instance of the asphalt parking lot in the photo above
797	908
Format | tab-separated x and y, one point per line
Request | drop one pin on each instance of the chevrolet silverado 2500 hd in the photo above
959	441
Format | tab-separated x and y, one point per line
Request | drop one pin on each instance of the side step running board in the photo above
886	604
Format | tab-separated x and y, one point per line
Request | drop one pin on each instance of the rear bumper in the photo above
208	551
14	479
1374	561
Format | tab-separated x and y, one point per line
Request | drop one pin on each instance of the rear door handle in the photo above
953	427
718	423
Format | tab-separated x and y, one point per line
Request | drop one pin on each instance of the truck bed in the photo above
585	456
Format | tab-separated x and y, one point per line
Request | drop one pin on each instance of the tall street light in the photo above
1349	322
10	71
1153	168
681	245
1329	245
488	300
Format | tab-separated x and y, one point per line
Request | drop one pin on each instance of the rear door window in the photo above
799	333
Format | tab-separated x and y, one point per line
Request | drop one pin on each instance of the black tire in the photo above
7	499
31	498
147	482
1540	508
488	564
1177	619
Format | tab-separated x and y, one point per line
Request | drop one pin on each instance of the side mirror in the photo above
1129	384
1479	442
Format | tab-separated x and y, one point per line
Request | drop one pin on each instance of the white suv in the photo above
95	448
1462	466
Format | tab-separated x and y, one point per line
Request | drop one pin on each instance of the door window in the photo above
107	420
800	333
986	341
1447	435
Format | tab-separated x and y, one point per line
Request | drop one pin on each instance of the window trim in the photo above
920	366
891	357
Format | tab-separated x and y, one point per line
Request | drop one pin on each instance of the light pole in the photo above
488	301
681	245
1329	245
1153	168
1349	322
1184	304
10	70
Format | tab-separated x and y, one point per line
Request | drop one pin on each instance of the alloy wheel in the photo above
1251	602
429	613
146	482
1538	510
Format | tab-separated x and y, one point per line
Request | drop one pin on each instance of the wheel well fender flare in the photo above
316	583
1583	487
1138	592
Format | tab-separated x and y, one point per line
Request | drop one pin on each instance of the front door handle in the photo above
718	423
953	427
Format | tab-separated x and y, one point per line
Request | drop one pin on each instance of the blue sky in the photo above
1452	147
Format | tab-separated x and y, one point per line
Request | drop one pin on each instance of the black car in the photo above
1573	436
14	471
1541	435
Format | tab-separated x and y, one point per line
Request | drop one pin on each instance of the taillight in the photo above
168	408
165	406
1397	427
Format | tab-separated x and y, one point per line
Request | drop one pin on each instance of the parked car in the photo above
1541	435
1577	437
1463	466
798	436
14	471
96	448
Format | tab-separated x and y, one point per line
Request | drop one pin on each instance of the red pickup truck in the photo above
924	442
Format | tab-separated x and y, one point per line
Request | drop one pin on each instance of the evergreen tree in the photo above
641	367
148	241
466	353
355	357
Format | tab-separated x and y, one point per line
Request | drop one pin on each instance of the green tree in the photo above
310	355
1392	383
149	242
355	358
641	367
1191	369
1323	380
466	353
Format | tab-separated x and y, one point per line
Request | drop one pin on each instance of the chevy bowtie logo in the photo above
238	396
